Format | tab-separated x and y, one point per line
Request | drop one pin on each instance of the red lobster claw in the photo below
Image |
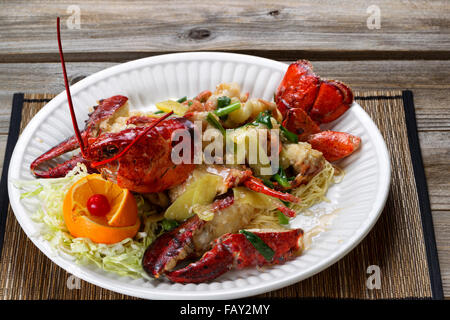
334	145
235	251
170	247
104	110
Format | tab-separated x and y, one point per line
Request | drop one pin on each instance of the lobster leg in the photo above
257	185
106	108
62	148
62	169
235	251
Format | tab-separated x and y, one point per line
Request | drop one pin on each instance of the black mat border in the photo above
13	135
422	193
416	157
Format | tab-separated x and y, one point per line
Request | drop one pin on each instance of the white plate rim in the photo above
147	293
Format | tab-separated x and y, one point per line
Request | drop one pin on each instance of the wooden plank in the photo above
320	30
3	139
441	223
428	79
435	147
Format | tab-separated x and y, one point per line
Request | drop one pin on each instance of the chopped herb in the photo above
223	102
181	100
282	219
265	118
259	245
158	112
168	224
292	137
215	123
286	203
190	103
281	178
228	109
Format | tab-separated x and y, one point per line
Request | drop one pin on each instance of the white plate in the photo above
360	196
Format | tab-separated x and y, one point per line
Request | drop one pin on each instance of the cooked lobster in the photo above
139	158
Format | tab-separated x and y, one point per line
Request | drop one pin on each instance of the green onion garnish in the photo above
228	109
215	123
168	224
259	245
181	100
158	112
282	219
292	137
264	118
190	103
286	203
281	178
223	102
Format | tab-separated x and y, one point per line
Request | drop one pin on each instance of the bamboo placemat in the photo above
401	244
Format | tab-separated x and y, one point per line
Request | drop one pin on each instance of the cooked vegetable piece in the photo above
168	224
181	100
170	105
265	118
245	139
282	219
255	199
204	211
259	245
289	135
201	191
228	109
215	123
223	102
281	178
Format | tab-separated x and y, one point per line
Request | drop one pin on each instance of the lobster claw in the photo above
334	145
171	247
105	109
235	251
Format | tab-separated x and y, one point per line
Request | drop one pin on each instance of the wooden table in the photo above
410	50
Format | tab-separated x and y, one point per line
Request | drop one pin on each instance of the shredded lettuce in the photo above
122	258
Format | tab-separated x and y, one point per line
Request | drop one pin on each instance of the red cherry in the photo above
98	205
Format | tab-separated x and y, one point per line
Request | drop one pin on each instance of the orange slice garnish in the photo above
119	223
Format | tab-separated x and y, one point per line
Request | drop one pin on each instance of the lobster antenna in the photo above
69	97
